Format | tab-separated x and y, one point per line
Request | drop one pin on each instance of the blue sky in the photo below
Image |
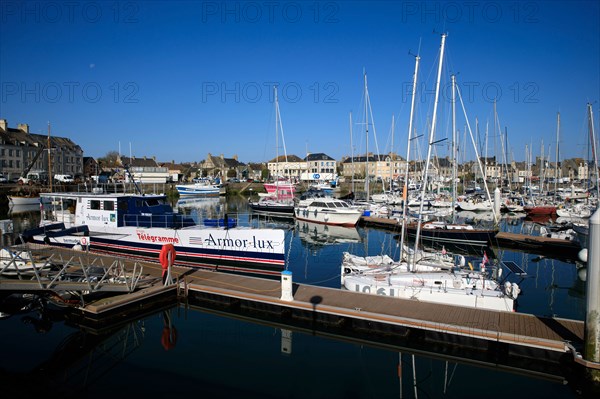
178	80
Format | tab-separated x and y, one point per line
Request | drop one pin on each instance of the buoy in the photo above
164	255
77	247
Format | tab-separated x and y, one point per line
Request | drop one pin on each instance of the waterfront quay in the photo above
542	345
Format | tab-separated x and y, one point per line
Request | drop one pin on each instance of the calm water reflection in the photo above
189	351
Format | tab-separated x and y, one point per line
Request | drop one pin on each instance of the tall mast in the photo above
49	160
276	144
557	153
594	152
454	153
430	145
407	169
392	156
351	153
367	136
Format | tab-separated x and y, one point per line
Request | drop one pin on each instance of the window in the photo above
122	206
109	205
95	204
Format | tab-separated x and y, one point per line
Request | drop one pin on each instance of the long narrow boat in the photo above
200	189
456	234
145	227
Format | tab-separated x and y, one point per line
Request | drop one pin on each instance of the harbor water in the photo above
206	353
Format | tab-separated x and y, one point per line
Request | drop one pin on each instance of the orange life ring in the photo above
169	338
164	255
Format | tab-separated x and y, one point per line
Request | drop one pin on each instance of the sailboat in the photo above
438	278
279	200
442	232
544	205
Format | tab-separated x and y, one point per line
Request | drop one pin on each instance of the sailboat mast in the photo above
392	156
454	153
367	136
49	160
407	169
594	152
351	153
276	143
430	144
557	153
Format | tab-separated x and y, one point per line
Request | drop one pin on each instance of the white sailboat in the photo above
424	276
279	199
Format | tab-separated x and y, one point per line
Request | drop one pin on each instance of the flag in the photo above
470	266
485	258
443	250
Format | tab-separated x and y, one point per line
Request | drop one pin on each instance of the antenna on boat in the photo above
126	167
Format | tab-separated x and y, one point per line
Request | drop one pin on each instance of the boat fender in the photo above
515	290
46	240
164	255
77	247
508	288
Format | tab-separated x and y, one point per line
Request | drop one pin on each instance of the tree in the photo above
110	159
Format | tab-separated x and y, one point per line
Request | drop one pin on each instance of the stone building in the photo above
20	149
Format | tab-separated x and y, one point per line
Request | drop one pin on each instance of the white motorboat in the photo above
327	210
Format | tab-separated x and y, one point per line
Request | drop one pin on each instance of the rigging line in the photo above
496	216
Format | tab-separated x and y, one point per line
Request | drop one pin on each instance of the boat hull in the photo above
479	299
16	200
325	216
273	209
255	252
194	189
455	236
540	210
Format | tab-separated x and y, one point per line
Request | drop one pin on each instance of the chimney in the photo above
154	158
3	124
144	157
222	156
23	127
235	157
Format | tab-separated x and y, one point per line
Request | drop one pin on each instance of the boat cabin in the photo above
107	211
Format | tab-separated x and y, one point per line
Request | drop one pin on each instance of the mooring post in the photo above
592	316
286	286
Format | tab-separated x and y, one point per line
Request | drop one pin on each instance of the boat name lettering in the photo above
99	218
380	291
238	243
147	237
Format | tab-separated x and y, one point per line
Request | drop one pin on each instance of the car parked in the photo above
3	180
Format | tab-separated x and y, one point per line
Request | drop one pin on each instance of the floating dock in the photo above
351	311
553	247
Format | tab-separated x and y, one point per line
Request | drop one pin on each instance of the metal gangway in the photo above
26	268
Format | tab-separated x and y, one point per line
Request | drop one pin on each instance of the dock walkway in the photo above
525	330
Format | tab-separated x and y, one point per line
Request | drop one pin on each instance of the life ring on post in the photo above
164	255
